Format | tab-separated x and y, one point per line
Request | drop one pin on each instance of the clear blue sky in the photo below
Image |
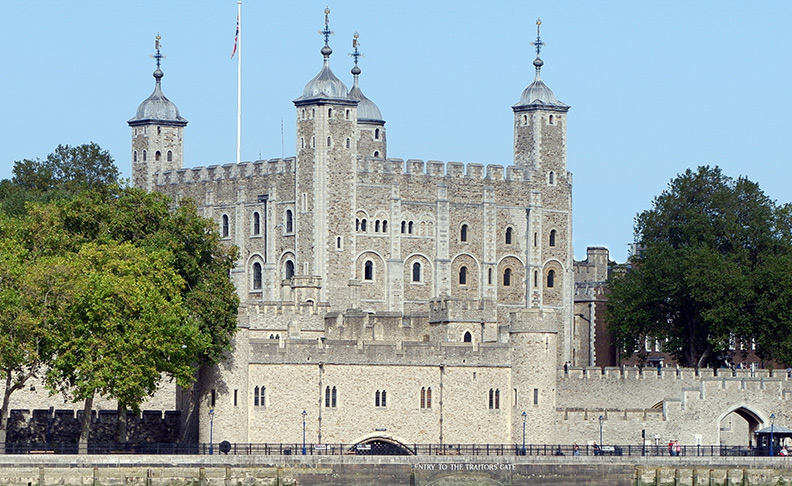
655	87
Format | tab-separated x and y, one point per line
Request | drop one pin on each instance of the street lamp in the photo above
211	430
524	415
601	418
772	424
304	413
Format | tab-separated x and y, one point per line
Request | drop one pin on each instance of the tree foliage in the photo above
715	266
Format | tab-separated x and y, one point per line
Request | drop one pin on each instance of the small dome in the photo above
157	107
324	85
367	110
538	93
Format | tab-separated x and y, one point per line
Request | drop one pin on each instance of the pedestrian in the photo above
576	449
566	367
677	449
596	448
671	447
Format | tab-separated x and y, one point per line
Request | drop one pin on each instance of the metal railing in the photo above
379	448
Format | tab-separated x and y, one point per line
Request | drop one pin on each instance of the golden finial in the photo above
156	42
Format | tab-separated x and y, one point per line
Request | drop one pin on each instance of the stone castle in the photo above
400	302
421	302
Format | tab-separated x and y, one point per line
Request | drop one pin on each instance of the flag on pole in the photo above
236	38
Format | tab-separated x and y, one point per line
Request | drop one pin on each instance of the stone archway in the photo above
381	446
737	426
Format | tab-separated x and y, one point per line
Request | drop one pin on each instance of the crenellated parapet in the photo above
444	170
362	352
227	172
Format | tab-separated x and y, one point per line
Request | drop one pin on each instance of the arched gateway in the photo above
381	446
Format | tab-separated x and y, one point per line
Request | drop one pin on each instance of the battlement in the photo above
243	170
628	374
436	168
362	352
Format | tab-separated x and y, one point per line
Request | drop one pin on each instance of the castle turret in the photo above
326	162
371	126
157	134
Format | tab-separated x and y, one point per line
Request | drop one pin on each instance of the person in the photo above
576	449
783	451
671	447
677	449
558	452
596	448
566	367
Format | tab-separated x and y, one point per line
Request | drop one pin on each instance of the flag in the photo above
236	38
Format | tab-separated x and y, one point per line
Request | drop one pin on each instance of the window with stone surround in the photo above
509	234
462	275
507	277
170	156
224	231
368	270
380	398
256	223
550	279
494	399
288	269
426	397
289	222
463	233
330	397
416	272
467	338
259	397
552	239
256	276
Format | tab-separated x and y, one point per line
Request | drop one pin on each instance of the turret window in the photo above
463	276
376	134
363	225
329	113
376	153
288	269
507	277
257	276
347	115
416	272
509	232
385	226
144	156
170	156
551	178
467	338
550	279
157	155
410	227
552	240
134	156
552	119
463	233
368	270
377	226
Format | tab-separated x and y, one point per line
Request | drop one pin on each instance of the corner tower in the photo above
157	134
540	148
325	185
371	126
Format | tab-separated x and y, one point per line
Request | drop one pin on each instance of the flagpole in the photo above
239	82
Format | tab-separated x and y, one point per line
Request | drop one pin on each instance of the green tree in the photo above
715	265
64	173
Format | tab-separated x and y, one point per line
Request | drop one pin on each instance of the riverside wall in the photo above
390	470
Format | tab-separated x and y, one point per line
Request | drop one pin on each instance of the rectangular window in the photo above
536	396
235	397
212	398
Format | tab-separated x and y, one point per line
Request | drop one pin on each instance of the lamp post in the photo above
772	424
524	415
211	431
304	413
601	418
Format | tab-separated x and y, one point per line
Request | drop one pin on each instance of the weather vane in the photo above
158	56
538	42
355	44
326	32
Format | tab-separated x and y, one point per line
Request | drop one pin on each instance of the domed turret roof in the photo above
325	85
157	108
538	94
367	110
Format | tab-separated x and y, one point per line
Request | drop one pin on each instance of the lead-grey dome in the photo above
324	85
367	110
157	107
538	93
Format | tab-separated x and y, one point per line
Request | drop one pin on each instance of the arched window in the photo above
377	226
257	276
338	242
333	397
376	153
384	399
327	397
508	236
134	156
376	135
255	397
329	113
507	277
410	227
348	143
159	130
489	276
225	229
491	399
328	141
423	397
467	338
497	399
144	156
313	112
404	227
536	279
170	156
551	178
368	270
550	278
157	155
289	221
462	275
385	226
463	233
552	237
551	119
429	397
256	223
525	119
357	224
347	114
416	272
363	225
289	269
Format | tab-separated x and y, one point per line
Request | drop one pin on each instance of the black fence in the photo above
386	448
